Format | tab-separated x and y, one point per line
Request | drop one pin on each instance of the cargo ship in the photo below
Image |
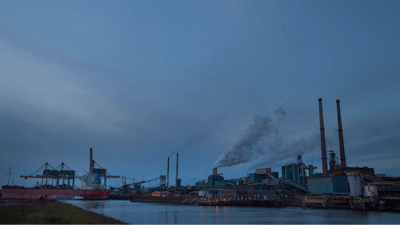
91	187
53	193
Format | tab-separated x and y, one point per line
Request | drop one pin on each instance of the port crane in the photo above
9	174
54	173
102	172
59	172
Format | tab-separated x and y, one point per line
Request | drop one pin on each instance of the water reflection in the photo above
175	217
217	212
148	213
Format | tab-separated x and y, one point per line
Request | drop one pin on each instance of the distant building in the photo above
254	178
201	183
212	180
331	184
293	172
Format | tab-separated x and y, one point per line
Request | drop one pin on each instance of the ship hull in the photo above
36	193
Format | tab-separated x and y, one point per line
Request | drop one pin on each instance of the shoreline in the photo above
195	201
33	211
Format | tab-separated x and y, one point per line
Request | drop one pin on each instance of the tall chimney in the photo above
214	171
176	169
323	145
91	162
341	144
168	173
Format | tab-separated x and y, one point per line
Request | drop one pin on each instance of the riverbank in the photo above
29	211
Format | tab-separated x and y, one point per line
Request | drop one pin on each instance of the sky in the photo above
139	81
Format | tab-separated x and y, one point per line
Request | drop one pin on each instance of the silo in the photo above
354	184
371	191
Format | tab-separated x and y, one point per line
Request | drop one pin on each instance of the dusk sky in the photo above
140	80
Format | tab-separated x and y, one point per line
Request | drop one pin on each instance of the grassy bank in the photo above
25	211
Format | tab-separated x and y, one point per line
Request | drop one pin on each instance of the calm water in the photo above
158	213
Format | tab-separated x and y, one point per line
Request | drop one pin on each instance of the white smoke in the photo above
242	151
273	153
263	144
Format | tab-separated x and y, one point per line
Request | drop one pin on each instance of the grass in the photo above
48	212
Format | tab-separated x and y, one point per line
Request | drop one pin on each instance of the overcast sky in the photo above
139	80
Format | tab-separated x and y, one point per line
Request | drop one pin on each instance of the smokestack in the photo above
341	144
215	172
168	173
176	170
91	162
323	145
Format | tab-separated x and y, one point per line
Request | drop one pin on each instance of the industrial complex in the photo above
296	184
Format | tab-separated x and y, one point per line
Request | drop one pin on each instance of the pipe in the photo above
323	145
341	144
176	170
168	174
215	172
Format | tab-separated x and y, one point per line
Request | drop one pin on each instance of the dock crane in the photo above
58	172
55	173
102	172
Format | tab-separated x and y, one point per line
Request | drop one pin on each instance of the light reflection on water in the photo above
158	213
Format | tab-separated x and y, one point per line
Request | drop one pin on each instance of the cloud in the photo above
39	93
280	112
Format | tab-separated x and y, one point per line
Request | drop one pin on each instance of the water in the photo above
159	213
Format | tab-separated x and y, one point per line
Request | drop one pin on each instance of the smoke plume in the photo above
280	112
242	151
271	154
263	144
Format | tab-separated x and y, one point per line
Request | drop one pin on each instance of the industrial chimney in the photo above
91	169
176	170
341	144
168	174
323	145
214	172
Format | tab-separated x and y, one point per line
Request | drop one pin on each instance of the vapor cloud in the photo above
243	150
263	144
274	153
280	112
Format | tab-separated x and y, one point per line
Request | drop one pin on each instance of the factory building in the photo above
225	183
201	183
332	185
254	178
293	172
215	178
163	181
